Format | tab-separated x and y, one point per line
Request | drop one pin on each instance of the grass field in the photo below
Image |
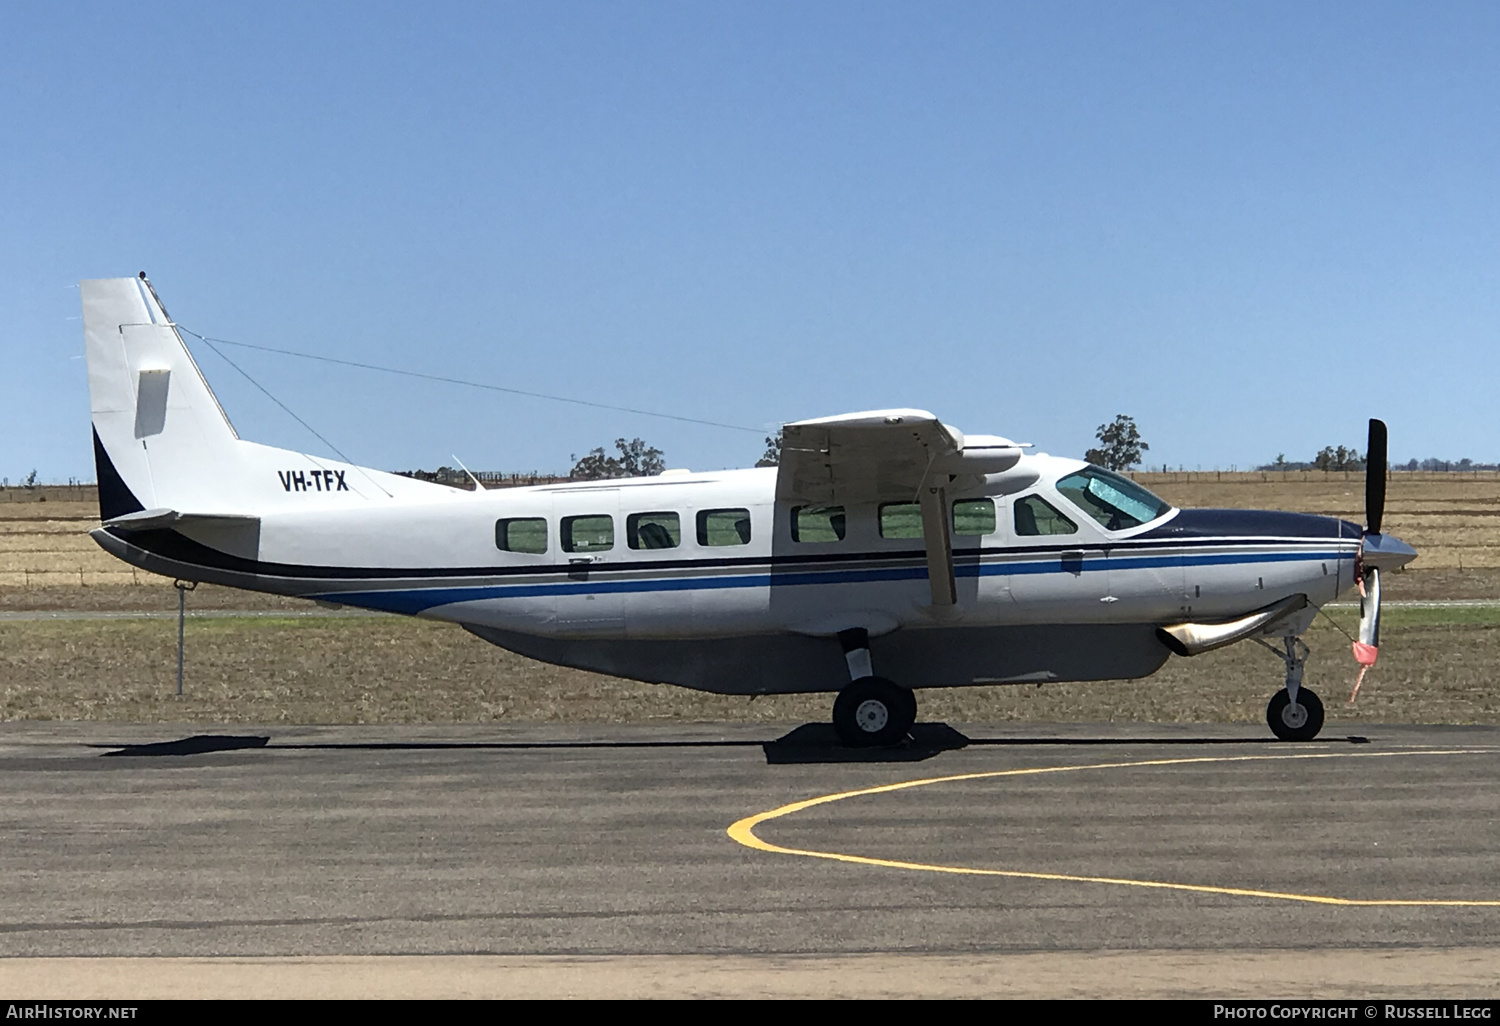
1453	520
1437	665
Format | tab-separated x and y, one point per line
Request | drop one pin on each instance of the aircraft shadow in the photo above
198	744
1352	739
809	743
818	742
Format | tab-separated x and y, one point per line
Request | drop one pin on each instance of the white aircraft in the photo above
889	551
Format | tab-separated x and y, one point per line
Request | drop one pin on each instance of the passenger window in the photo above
818	523
974	516
901	520
1034	516
653	531
521	534
594	533
724	527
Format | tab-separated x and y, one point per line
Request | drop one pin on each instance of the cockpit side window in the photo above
1036	516
1116	502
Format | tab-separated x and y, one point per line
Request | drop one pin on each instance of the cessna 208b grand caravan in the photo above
888	551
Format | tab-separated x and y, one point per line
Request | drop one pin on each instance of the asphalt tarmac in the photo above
515	860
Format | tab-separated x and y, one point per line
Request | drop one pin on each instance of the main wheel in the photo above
873	712
1300	722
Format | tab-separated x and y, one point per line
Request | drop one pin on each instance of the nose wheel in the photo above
1294	713
873	712
1295	721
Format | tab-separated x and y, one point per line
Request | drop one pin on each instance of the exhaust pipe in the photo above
1189	639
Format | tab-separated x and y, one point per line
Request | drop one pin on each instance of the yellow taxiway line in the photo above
743	831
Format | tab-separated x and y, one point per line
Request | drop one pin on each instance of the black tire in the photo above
1286	726
873	712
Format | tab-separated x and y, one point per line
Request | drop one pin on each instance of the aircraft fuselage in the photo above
590	589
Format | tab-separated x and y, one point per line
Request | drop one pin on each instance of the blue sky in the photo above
1249	225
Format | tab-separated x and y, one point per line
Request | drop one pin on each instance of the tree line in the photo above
1337	457
1121	448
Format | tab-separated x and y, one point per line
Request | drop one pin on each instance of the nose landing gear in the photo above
1294	713
870	711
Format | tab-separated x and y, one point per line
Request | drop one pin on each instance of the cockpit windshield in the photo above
1118	503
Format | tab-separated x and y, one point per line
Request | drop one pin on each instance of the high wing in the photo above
890	456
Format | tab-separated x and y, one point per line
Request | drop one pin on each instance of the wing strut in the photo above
937	535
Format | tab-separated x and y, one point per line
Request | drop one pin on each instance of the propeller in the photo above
1375	460
1367	647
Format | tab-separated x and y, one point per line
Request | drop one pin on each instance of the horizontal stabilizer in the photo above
156	519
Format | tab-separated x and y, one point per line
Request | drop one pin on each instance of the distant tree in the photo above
30	481
1338	458
1120	447
772	456
636	459
594	466
1280	463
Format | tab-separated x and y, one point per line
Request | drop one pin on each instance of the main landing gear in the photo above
1294	713
871	711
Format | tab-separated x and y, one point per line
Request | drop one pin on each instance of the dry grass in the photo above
47	544
1453	520
48	561
1437	666
139	598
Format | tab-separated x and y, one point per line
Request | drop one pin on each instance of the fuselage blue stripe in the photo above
412	600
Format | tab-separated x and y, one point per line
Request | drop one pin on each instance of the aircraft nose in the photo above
1386	552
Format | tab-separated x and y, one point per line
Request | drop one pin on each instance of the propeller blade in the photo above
1367	648
1368	645
1375	467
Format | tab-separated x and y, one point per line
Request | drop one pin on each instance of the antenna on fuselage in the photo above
477	486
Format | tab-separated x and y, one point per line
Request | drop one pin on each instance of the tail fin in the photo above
162	442
139	372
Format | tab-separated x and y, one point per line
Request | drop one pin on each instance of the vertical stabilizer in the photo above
159	433
162	442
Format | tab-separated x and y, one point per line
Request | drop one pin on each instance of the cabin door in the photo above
590	539
1058	569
